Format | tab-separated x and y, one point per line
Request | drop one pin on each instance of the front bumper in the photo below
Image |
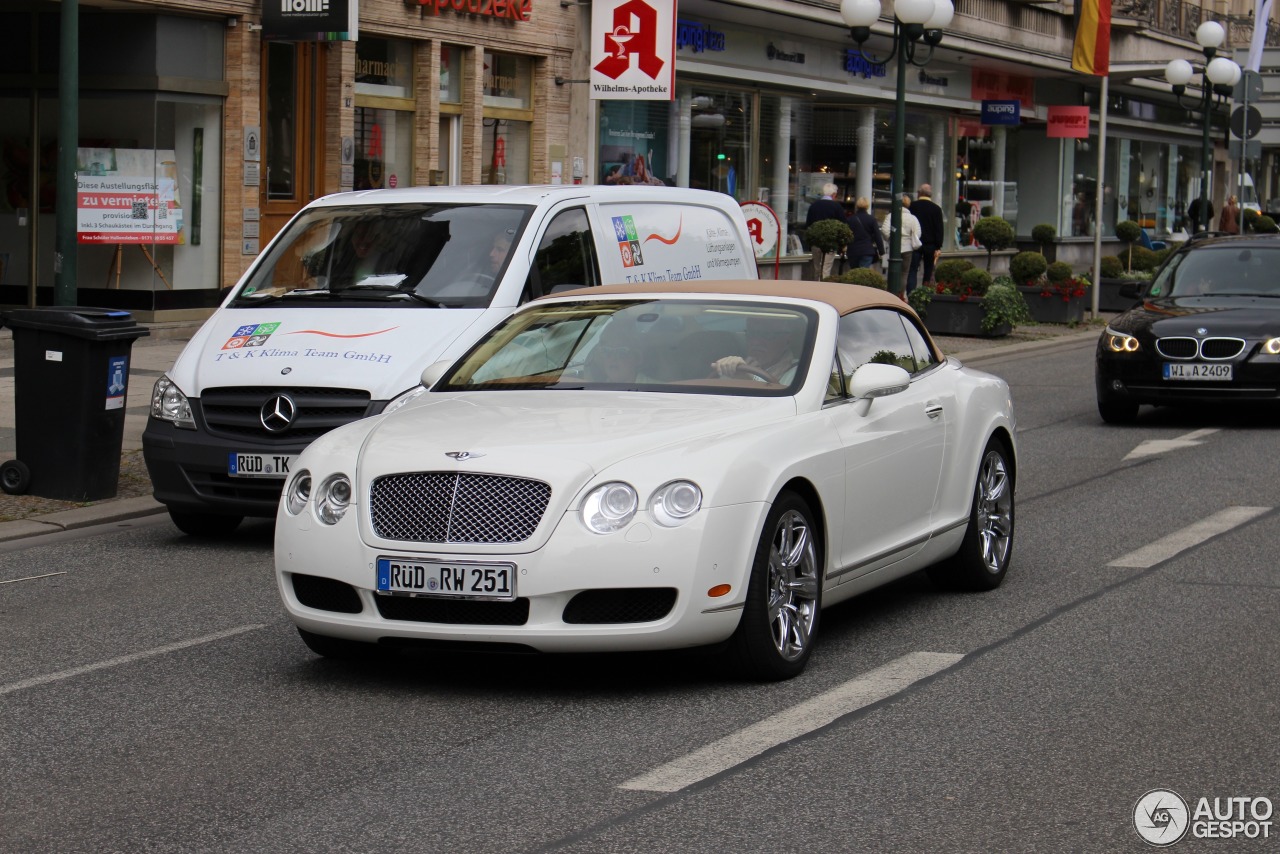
1141	380
715	549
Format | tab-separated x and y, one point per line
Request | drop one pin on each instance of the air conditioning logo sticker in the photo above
251	335
624	228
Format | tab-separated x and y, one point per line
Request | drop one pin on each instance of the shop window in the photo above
505	152
720	143
384	114
634	143
508	119
450	74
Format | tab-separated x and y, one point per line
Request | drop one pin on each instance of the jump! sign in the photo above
1068	123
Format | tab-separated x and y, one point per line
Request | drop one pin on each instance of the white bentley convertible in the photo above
654	466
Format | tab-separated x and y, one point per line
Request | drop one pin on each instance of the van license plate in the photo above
260	465
440	578
1196	371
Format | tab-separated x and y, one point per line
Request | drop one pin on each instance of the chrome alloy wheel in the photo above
792	586
994	511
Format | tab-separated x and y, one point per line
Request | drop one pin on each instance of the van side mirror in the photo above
433	372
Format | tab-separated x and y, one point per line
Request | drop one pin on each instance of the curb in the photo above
118	510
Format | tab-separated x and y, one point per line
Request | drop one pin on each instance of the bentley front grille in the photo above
448	507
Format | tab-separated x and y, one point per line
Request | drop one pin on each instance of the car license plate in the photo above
260	465
463	579
1196	371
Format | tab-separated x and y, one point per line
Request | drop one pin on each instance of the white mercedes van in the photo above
361	291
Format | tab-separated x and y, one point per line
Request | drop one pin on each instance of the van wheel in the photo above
15	477
204	524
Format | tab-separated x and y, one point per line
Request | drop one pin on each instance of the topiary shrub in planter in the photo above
861	276
975	282
949	273
993	233
1059	273
1044	234
828	235
1129	232
1266	225
973	304
1026	268
1111	267
1249	219
1145	260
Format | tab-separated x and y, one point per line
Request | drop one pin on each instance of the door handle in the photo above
933	410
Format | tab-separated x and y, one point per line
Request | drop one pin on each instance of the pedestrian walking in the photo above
931	230
911	243
824	208
866	245
1229	221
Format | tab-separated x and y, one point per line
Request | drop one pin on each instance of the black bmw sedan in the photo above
1207	331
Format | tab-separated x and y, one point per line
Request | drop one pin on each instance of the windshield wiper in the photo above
257	299
1239	294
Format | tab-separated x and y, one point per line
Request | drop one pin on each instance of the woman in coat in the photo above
1229	221
867	244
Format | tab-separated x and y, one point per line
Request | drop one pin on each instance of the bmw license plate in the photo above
260	465
463	579
1196	371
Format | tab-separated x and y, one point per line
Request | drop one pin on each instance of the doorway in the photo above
293	75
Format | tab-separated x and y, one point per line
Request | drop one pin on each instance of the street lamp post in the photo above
914	22
1218	76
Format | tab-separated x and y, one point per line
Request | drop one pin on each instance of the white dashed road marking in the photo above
124	659
1151	447
1192	535
738	747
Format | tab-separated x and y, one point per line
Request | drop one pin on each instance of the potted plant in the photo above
1060	297
861	276
966	301
1044	234
993	233
1129	232
827	237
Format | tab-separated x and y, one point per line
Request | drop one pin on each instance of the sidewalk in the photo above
28	516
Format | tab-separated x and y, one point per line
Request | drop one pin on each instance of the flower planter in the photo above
1109	298
1052	308
947	314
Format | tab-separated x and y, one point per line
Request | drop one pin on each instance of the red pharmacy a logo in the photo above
634	34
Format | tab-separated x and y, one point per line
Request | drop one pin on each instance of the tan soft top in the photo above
844	298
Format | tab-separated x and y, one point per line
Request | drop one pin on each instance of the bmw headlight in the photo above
610	507
1271	347
410	395
675	503
168	403
298	493
1120	342
333	499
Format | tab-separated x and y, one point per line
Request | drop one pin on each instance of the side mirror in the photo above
1131	290
433	372
873	380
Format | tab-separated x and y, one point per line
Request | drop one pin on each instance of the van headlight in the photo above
610	507
298	493
410	395
333	499
675	503
168	403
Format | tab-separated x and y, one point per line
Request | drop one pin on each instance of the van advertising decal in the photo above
255	336
624	228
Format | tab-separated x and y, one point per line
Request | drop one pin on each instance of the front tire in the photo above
985	552
779	622
204	524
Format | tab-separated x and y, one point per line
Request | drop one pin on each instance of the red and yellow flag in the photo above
1092	53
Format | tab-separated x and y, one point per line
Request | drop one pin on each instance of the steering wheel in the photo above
756	373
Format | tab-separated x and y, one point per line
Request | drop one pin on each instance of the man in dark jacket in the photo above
867	245
824	208
931	229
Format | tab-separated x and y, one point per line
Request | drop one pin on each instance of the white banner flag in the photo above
1261	18
633	46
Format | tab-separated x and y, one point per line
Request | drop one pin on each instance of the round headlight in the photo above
1272	347
298	493
1119	342
333	499
610	507
675	503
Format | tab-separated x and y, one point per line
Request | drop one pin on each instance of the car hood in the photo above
1246	317
381	351
563	437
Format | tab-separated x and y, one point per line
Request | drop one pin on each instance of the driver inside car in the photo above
772	353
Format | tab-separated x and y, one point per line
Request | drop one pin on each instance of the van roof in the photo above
530	194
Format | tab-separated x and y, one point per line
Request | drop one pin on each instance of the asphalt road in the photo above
154	698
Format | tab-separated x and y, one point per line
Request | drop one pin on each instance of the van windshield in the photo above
418	254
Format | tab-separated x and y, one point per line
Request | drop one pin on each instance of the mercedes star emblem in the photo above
278	413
